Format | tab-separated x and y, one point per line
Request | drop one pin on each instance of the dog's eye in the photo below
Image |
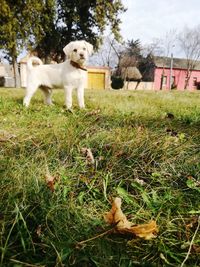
84	48
75	50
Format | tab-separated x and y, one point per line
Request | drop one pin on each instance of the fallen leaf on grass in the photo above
50	180
116	217
196	248
191	222
139	181
39	230
146	231
93	112
88	154
5	136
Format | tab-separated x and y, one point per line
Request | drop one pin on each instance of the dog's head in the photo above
78	51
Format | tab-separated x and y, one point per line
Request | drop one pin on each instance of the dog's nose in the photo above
81	55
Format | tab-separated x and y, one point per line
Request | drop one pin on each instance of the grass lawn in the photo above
146	149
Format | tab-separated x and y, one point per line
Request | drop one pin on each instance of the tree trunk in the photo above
187	79
15	68
161	82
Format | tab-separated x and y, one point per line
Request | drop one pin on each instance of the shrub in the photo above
2	81
117	82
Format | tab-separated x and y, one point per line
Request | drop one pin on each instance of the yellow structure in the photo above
98	78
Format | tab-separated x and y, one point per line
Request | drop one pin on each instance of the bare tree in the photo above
164	47
154	48
189	41
109	53
170	42
129	62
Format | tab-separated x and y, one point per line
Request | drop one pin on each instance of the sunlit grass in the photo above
150	136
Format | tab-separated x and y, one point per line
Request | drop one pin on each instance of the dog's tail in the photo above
33	61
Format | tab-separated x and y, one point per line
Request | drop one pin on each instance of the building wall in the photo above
179	76
140	86
7	74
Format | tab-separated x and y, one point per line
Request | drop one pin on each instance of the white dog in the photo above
68	75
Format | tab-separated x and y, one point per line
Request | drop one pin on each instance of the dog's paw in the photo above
69	110
81	106
25	105
49	103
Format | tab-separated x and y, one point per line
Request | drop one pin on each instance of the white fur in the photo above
62	75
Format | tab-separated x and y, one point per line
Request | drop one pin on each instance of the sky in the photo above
150	19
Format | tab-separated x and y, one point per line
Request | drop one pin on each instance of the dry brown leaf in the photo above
39	230
50	180
196	248
88	153
139	181
146	231
5	136
93	112
116	217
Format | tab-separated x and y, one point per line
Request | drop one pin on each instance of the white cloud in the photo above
149	19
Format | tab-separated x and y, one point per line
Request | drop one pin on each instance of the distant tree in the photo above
134	48
137	61
108	53
153	48
189	40
165	47
128	61
80	19
131	54
45	36
146	67
168	43
20	22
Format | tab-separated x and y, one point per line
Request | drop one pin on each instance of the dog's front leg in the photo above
80	96
68	96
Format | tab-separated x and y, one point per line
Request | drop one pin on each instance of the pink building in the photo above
178	74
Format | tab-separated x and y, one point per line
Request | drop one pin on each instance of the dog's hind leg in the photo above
47	94
30	90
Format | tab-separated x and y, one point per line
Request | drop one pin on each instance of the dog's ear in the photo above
89	47
68	48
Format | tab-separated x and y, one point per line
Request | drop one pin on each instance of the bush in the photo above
117	82
2	81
